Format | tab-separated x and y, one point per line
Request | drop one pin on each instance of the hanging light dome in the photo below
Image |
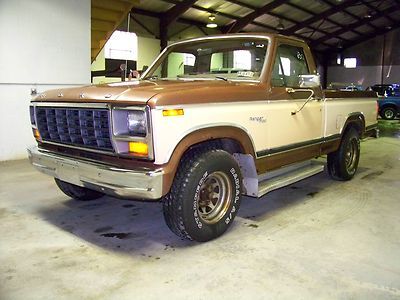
211	22
280	26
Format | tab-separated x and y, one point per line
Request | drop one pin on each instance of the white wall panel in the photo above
44	44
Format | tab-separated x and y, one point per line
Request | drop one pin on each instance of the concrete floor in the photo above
316	239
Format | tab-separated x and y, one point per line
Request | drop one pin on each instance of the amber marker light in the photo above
173	112
36	134
139	148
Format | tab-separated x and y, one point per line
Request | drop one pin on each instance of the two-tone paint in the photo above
271	124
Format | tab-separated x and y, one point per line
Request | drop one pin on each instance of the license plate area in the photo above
68	172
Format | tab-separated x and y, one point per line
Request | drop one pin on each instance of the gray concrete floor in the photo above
316	239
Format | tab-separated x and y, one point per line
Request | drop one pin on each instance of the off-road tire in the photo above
388	113
77	192
343	163
198	175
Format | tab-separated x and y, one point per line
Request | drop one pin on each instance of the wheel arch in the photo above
389	104
355	120
229	138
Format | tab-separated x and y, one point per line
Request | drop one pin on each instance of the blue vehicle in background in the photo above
388	99
389	107
386	90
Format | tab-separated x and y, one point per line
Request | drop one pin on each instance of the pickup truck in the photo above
389	107
212	119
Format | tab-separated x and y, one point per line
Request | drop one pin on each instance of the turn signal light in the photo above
139	148
173	112
36	134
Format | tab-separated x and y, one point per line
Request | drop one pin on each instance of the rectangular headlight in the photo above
132	135
129	122
137	123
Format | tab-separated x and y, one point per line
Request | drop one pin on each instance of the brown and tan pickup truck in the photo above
212	119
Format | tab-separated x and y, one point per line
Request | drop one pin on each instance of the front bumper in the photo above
117	182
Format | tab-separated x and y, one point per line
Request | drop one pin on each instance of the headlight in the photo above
128	122
132	135
137	123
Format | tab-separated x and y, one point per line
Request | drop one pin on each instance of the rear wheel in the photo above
343	163
205	195
388	113
77	192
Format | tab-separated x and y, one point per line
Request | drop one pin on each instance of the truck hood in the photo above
155	93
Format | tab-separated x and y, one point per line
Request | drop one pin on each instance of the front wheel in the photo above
343	163
77	192
205	195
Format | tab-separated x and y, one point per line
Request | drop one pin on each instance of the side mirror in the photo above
309	81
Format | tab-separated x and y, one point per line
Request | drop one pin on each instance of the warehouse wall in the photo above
148	50
369	57
44	44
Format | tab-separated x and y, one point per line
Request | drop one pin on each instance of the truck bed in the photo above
349	94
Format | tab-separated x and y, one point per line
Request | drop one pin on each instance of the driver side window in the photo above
290	62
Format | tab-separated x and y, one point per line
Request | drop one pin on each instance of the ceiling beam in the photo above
370	36
314	14
346	28
211	11
242	22
350	14
142	25
376	10
323	15
176	11
146	13
152	14
228	16
240	3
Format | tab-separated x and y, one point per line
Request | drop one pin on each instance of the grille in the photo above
78	127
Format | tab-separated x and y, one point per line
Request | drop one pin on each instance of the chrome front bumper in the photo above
122	183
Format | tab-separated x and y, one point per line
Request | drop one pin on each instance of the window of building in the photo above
121	45
350	62
189	59
242	59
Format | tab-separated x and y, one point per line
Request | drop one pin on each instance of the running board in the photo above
283	177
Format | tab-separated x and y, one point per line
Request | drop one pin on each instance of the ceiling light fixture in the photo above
368	15
280	26
211	23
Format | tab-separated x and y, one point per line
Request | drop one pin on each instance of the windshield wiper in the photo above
221	78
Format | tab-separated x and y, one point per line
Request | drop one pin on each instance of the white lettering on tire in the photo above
196	199
237	194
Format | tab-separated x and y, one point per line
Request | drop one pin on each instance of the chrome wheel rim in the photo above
389	114
215	197
351	155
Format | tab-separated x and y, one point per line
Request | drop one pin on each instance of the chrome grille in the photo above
83	127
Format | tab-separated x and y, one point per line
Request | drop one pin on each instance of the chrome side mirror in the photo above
309	81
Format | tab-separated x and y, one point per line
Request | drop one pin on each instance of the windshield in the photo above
226	59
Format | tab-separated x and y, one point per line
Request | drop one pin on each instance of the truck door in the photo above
294	124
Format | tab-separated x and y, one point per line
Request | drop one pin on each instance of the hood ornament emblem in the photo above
60	95
81	95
